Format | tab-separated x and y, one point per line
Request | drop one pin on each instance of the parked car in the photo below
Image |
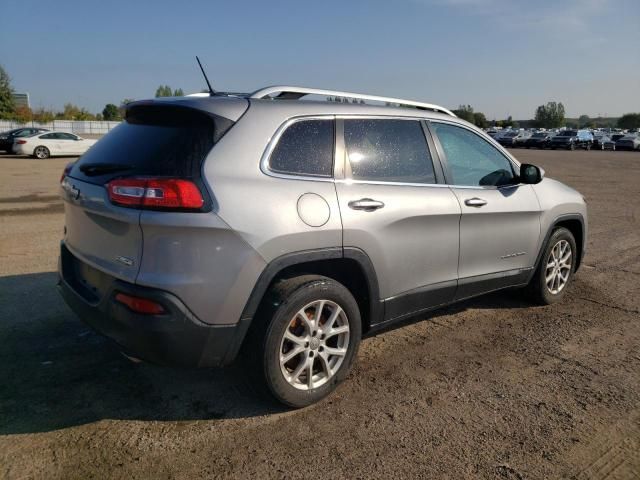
513	138
188	240
7	138
51	144
609	144
603	142
538	140
572	139
628	142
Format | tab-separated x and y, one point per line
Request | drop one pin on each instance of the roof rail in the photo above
294	93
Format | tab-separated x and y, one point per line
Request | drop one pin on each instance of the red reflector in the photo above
140	305
155	193
21	142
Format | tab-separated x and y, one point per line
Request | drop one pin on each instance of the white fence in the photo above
71	126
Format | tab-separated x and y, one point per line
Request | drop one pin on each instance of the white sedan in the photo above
49	144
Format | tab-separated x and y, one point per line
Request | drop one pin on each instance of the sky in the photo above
503	57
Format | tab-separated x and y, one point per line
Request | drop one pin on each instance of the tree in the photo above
480	120
110	112
550	115
163	91
465	112
7	105
43	116
73	112
178	93
584	121
22	114
629	121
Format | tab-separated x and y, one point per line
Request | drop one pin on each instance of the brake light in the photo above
140	305
173	193
66	170
21	142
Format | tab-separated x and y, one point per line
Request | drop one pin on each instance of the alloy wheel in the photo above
314	344
558	267
41	152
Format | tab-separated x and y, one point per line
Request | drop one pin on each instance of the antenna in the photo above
212	92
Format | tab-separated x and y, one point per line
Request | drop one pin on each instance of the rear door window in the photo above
388	150
305	148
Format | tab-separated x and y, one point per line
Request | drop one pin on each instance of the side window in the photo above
471	159
48	136
23	133
66	136
305	148
388	150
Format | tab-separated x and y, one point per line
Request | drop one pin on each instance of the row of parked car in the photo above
43	143
567	139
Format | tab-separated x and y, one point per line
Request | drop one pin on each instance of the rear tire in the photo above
41	152
286	323
555	270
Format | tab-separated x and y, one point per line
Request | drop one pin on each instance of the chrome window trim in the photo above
273	141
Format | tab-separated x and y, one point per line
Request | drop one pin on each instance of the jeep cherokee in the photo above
279	229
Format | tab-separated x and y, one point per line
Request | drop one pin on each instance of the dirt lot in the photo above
492	388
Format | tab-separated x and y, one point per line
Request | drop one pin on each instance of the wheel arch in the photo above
350	266
573	222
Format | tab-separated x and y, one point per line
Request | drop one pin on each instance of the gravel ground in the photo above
491	388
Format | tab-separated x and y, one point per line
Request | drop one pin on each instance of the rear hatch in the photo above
159	141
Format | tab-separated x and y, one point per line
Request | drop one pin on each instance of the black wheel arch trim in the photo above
276	266
559	219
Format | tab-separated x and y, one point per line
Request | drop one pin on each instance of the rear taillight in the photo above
21	142
140	305
66	170
161	193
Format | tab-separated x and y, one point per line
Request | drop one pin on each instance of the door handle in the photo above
475	202
366	204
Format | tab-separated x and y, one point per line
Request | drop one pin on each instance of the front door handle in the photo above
475	202
366	204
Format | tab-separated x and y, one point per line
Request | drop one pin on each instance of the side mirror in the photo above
530	174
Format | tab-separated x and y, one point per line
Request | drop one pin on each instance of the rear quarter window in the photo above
305	148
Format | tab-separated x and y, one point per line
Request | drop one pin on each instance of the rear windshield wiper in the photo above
91	169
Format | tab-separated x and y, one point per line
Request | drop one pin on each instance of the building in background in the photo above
21	100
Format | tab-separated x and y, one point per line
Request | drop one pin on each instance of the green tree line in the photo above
549	115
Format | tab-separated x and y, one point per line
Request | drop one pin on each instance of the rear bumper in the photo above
174	338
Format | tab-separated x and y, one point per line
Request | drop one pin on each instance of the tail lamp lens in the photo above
21	142
171	193
66	170
140	305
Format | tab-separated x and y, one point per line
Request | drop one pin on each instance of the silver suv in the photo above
285	229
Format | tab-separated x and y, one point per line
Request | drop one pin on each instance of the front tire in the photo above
304	340
556	268
41	152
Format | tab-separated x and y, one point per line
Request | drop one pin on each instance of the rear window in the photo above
153	141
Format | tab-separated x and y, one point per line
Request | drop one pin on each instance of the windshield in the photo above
539	135
511	134
568	133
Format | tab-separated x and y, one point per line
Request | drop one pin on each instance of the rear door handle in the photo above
366	204
475	202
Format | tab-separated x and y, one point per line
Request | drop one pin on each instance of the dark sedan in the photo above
7	138
538	140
